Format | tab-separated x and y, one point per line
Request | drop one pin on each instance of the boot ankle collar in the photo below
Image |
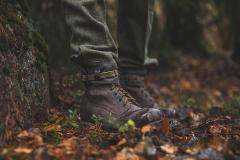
99	76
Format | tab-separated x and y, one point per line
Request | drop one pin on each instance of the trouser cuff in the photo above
107	77
132	80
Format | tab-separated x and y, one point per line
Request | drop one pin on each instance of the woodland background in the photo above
198	46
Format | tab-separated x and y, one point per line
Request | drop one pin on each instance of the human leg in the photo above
95	51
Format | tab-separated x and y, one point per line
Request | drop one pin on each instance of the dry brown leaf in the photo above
217	93
69	144
139	148
196	116
122	142
67	147
215	130
53	127
166	91
147	128
165	126
23	150
57	152
126	154
165	158
185	85
216	143
168	148
35	138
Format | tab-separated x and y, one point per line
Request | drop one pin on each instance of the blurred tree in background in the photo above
206	27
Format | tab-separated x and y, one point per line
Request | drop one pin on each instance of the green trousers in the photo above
93	46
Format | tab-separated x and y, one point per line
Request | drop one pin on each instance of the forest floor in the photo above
206	95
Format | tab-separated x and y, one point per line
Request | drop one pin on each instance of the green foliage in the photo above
232	106
39	42
97	139
190	102
71	120
51	133
129	126
96	119
4	45
52	136
6	70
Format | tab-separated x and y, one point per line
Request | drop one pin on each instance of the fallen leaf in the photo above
165	126
215	129
216	143
122	142
168	148
69	144
31	137
147	128
185	85
53	127
57	152
217	93
165	158
126	154
139	148
23	150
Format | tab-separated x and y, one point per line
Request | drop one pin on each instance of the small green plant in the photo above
191	102
129	126
71	120
51	133
96	119
128	131
52	136
232	106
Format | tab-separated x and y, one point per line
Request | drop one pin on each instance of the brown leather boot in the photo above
114	106
134	85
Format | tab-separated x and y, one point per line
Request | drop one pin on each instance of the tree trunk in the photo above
236	22
23	71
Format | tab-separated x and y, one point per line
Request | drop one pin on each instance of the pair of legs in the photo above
97	54
93	46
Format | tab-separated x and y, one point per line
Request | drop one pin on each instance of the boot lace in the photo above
123	96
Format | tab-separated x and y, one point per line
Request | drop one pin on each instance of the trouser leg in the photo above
92	44
135	19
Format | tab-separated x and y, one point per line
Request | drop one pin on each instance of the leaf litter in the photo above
208	126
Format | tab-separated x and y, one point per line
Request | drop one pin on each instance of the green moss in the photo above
39	42
4	45
232	106
6	70
41	62
26	5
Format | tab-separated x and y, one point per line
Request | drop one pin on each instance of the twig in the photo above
207	123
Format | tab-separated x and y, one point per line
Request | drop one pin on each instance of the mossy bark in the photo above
63	73
23	71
